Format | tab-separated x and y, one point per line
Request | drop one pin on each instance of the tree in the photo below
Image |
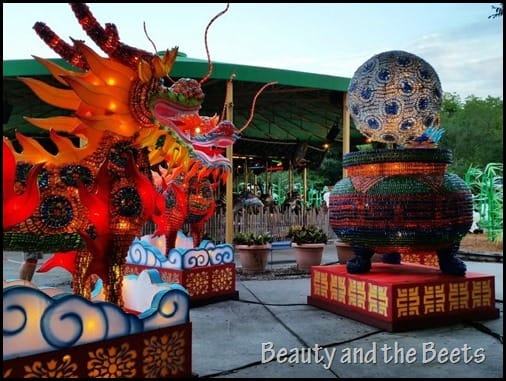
331	167
497	10
473	131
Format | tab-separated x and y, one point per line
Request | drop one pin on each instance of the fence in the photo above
260	220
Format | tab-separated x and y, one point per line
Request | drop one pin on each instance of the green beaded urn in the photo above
399	199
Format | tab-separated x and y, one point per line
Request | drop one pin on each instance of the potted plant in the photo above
253	249
308	242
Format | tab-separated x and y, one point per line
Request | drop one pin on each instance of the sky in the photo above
461	43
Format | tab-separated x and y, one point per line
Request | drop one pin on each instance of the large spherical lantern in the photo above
394	96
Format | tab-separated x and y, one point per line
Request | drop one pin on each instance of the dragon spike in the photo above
162	66
157	179
193	170
33	151
224	178
157	67
56	70
108	39
203	173
163	171
64	50
252	112
176	172
105	68
216	173
206	77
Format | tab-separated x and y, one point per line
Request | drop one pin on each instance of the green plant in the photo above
300	234
487	188
251	238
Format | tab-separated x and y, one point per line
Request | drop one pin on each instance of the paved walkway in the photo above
271	332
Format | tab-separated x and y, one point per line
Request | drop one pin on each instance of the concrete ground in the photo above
271	332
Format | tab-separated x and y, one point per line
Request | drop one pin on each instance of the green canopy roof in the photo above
292	116
197	68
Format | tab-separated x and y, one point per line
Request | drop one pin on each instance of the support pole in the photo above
346	130
304	198
304	185
229	211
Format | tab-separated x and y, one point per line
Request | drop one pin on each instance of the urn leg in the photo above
361	262
391	258
449	263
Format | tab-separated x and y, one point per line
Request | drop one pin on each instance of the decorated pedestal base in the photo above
206	285
207	271
134	356
48	333
403	297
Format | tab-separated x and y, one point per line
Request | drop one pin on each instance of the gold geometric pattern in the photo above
164	355
408	302
434	298
411	258
320	283
221	280
378	299
458	296
338	288
54	368
431	260
197	283
112	362
356	293
170	277
481	293
422	259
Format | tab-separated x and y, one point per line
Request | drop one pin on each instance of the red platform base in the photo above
207	284
403	297
132	356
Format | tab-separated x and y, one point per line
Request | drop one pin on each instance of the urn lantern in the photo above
399	198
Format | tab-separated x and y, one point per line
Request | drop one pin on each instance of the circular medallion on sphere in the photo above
394	97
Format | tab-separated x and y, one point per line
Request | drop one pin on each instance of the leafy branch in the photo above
497	10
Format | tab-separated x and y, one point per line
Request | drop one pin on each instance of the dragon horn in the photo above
64	50
252	113
206	77
108	39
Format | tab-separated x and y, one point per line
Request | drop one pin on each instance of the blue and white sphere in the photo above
394	97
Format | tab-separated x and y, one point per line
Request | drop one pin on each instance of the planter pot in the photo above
308	254
345	253
253	258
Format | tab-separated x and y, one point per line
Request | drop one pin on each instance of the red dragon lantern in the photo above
94	199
